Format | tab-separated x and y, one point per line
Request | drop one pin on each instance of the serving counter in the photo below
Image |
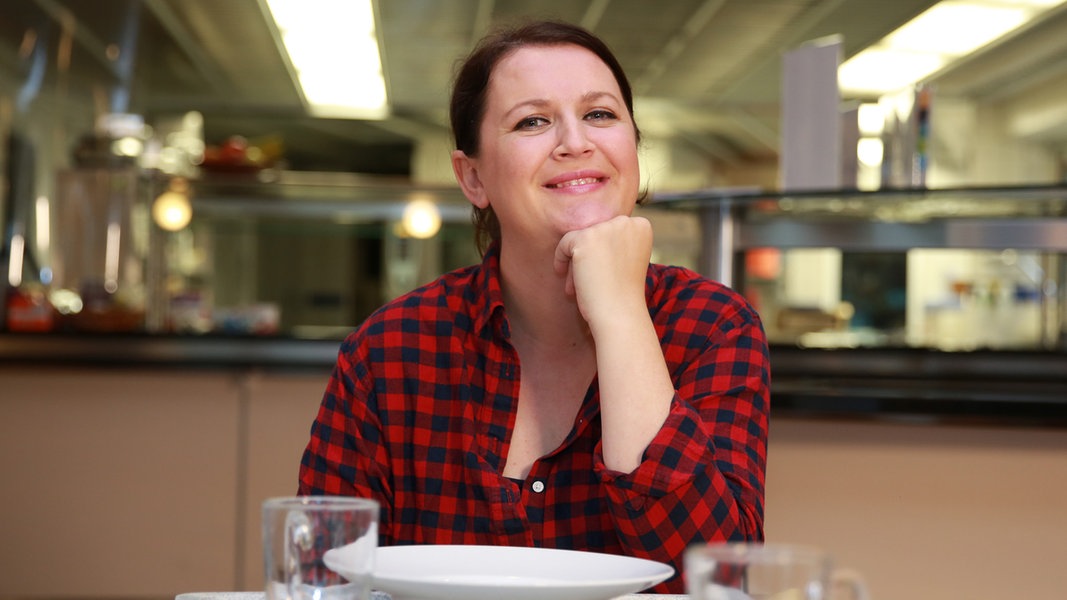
197	352
1023	388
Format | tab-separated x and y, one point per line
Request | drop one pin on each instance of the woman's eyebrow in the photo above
591	96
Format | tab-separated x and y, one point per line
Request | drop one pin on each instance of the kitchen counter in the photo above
186	351
996	387
986	386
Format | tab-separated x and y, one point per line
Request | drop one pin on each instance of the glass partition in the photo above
954	269
305	255
310	255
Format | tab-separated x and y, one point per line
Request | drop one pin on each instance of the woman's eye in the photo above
531	123
601	115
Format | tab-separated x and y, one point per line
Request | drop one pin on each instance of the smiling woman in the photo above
564	393
557	145
469	95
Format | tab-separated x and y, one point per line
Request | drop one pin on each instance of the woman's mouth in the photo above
575	182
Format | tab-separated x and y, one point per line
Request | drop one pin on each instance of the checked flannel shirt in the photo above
418	411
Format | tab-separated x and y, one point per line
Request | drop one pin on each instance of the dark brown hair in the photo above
471	85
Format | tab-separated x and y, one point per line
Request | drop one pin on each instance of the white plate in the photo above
444	572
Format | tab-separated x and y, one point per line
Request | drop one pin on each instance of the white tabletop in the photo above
379	596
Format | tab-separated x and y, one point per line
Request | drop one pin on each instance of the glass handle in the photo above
848	584
297	542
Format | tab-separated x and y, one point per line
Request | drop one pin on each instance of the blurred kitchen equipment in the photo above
16	200
101	226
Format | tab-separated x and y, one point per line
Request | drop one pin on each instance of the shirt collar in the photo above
489	297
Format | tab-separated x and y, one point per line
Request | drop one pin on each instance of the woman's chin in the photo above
585	220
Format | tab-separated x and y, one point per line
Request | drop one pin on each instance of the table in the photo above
379	596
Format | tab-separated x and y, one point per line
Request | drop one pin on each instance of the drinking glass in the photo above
319	547
751	571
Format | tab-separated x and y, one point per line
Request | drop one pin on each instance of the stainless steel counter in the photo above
983	387
192	351
986	387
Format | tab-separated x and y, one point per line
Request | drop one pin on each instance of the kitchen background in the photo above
294	212
167	179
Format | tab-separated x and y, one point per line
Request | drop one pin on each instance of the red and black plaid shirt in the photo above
419	410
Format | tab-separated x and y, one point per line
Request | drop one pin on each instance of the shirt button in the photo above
538	486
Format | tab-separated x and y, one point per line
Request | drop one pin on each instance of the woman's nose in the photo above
573	138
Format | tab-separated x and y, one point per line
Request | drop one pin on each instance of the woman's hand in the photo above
605	266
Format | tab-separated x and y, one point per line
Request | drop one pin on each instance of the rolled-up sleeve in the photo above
702	477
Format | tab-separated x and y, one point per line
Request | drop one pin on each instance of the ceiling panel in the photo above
706	71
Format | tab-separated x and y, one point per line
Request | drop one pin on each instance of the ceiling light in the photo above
956	28
421	219
871	119
172	210
879	71
944	33
870	151
333	47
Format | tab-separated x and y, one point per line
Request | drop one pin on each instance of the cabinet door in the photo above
925	510
279	409
117	482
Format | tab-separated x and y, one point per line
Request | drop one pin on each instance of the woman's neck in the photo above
538	308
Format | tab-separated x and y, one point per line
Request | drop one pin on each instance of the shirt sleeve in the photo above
702	477
345	456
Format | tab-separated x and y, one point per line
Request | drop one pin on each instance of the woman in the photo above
565	392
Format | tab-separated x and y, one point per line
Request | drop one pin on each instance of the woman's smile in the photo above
576	182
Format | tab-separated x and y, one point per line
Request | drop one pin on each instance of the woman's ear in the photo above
466	170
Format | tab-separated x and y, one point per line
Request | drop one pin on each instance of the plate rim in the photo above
663	572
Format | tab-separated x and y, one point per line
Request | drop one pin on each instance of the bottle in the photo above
28	309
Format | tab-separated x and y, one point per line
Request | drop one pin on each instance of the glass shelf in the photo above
907	205
954	269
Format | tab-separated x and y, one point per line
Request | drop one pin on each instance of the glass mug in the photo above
751	571
319	547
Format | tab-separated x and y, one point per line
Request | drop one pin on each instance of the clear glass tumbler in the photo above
752	571
319	547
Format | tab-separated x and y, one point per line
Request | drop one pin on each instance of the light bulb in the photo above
421	219
172	210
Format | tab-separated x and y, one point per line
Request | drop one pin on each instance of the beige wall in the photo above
926	512
145	483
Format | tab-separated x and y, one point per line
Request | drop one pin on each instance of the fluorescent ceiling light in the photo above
944	33
956	29
883	70
333	47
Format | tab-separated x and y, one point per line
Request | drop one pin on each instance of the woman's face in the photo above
558	147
